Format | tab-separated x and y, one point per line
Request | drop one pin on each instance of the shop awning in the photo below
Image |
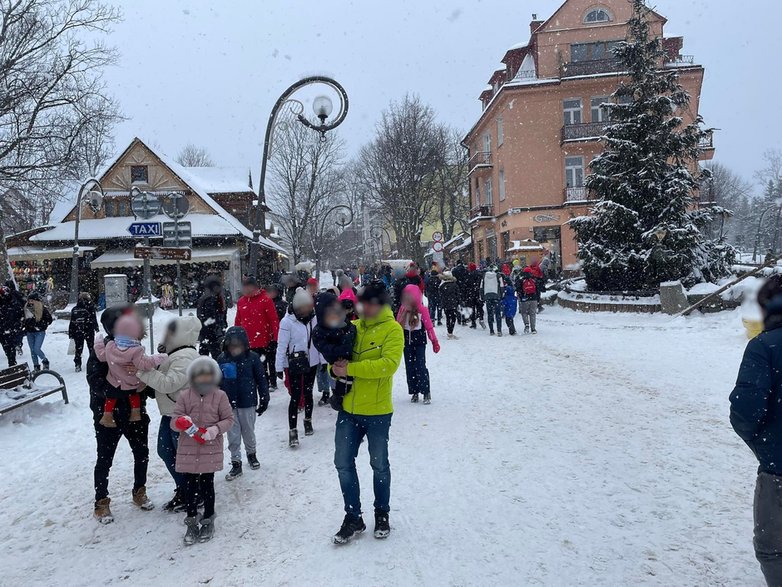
42	253
116	259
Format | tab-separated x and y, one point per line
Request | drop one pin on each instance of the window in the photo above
123	208
488	192
500	131
477	192
487	143
139	174
505	236
109	207
600	114
593	51
502	185
597	15
572	109
574	172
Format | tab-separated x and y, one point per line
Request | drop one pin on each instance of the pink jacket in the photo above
213	409
128	329
415	292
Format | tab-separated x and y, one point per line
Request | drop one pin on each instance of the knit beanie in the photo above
301	299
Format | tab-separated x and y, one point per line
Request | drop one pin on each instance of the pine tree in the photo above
644	228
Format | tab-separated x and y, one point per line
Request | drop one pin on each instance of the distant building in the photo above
531	146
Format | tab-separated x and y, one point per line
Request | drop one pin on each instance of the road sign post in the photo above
147	252
176	206
145	206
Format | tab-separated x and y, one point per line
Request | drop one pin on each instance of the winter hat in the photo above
301	299
85	297
345	282
472	267
447	276
200	366
312	281
374	292
516	262
110	316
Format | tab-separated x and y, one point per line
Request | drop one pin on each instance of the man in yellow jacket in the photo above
367	409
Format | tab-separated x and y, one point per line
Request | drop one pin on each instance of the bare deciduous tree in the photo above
53	101
193	156
305	178
450	183
397	168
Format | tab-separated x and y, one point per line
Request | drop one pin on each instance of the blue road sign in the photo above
145	229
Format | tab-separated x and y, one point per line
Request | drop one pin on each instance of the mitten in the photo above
436	346
211	433
335	401
263	403
185	424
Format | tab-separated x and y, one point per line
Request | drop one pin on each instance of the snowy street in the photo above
598	452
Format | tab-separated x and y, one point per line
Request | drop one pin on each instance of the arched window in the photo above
597	15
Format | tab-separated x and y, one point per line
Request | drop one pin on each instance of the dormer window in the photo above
597	15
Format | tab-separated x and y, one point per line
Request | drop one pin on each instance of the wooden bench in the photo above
18	387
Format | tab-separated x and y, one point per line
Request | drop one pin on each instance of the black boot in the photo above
176	504
324	399
45	364
253	461
382	527
308	430
236	471
351	526
293	438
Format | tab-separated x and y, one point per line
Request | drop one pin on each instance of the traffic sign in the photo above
145	205
177	234
176	205
145	229
163	253
437	236
437	247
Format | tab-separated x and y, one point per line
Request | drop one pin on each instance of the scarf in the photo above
125	342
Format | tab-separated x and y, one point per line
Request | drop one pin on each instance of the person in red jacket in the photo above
255	312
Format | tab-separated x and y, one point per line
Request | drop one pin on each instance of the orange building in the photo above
531	146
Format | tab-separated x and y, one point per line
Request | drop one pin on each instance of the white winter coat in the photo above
171	377
296	336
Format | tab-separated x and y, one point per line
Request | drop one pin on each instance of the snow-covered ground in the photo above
595	453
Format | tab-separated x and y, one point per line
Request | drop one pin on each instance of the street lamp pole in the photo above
81	200
343	222
323	108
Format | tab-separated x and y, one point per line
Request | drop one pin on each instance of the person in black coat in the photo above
212	312
245	384
334	337
433	296
11	325
756	416
450	297
82	327
107	439
274	291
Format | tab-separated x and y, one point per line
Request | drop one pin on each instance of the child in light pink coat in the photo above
123	350
417	324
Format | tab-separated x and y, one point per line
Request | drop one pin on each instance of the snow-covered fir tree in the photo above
645	229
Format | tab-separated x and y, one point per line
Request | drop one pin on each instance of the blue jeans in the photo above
35	342
494	312
167	441
324	381
350	432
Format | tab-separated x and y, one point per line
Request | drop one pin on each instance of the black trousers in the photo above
9	348
477	311
269	356
199	486
301	385
78	341
107	440
450	319
210	348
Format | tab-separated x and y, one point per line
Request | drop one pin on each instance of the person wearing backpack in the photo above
83	327
491	292
527	291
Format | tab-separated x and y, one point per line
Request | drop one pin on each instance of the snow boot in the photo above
103	511
207	529
491	333
324	399
483	324
45	364
414	398
382	527
175	504
293	438
526	330
78	369
308	429
534	331
236	471
107	420
499	333
427	399
351	526
141	500
253	461
191	535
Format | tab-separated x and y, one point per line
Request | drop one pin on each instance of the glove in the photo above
280	375
211	433
263	404
185	424
335	401
436	347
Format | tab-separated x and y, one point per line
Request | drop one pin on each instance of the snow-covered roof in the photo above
221	180
467	242
38	253
519	45
525	245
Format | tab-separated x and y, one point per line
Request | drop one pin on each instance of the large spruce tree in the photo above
644	229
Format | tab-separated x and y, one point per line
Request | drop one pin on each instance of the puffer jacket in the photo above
450	294
171	377
376	357
509	304
426	320
244	378
213	409
83	322
294	336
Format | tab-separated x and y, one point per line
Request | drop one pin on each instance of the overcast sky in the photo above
209	72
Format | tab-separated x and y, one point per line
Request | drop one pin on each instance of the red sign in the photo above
163	253
437	247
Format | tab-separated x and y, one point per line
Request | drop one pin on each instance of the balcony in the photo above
580	132
679	60
577	194
480	160
707	142
481	212
590	67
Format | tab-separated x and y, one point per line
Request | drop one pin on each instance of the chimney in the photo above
533	26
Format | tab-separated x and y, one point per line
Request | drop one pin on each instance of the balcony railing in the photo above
576	194
680	59
483	211
588	130
707	142
481	159
591	67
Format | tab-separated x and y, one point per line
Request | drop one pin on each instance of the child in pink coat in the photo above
123	350
417	324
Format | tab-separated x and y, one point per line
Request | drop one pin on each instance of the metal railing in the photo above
576	194
482	211
707	142
481	159
591	67
587	130
680	59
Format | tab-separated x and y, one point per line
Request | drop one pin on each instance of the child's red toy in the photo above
185	424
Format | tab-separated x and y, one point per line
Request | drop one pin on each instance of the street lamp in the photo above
322	108
376	232
94	199
777	206
343	220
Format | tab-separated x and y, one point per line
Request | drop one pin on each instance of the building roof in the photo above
221	180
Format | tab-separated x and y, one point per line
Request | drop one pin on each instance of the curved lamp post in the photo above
376	232
94	199
343	221
778	208
322	107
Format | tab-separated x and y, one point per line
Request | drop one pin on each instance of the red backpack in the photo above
529	287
